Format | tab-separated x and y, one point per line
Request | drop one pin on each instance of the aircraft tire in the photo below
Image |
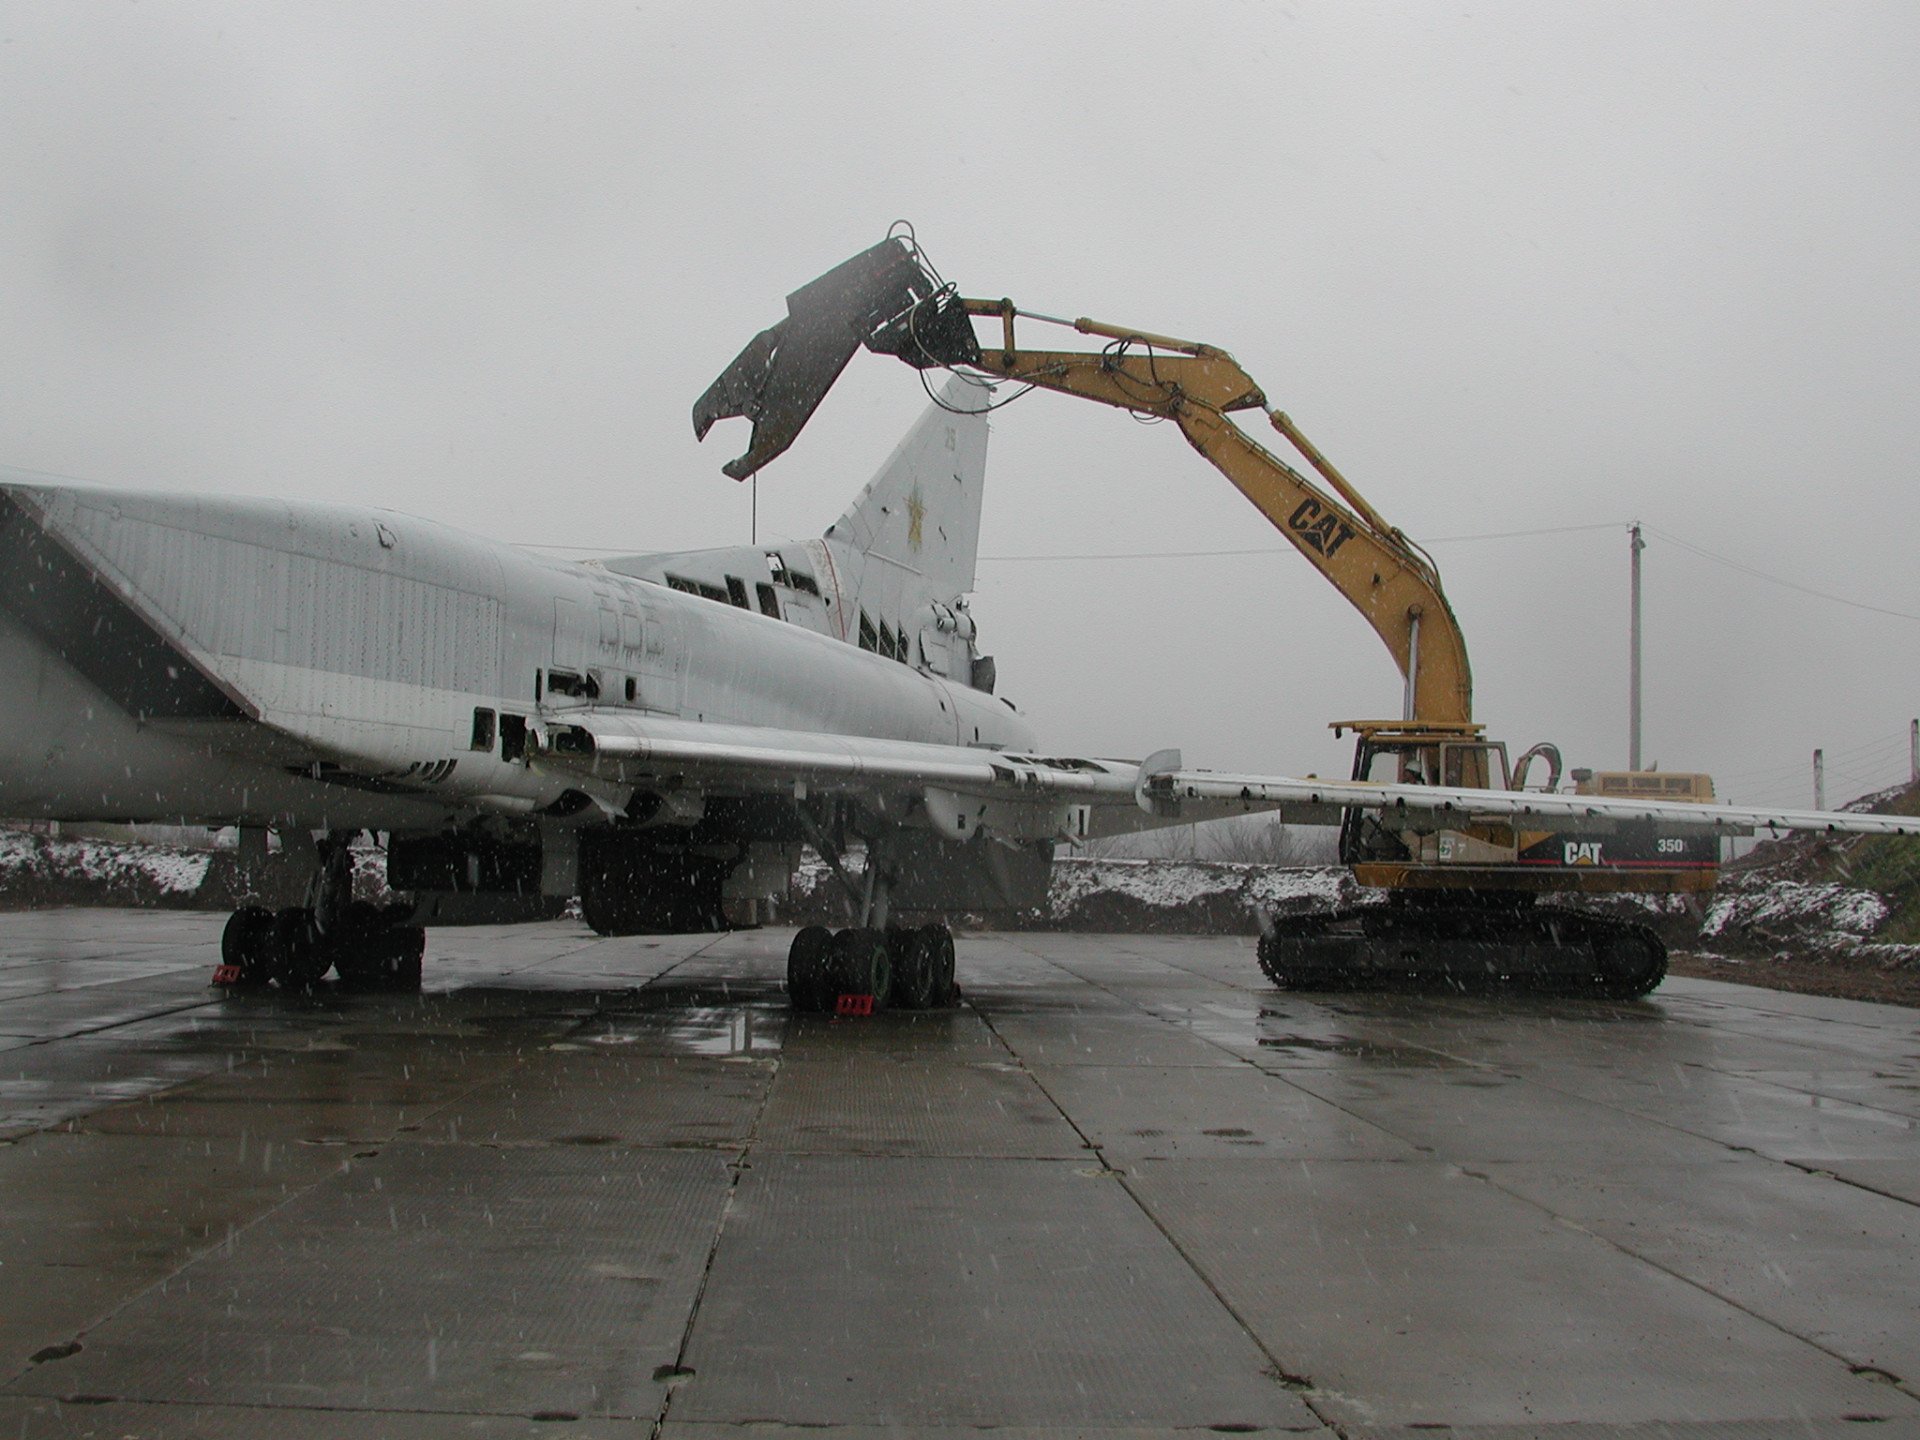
367	947
244	942
296	960
412	958
609	913
361	920
944	990
807	967
858	965
918	978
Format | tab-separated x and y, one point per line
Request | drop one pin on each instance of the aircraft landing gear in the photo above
922	967
371	948
879	963
907	969
244	957
377	950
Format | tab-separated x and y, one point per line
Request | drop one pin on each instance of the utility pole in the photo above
1913	752
1819	779
1633	654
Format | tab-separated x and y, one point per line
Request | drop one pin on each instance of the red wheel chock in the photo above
226	975
853	1005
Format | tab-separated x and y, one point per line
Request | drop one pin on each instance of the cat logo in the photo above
1318	529
1583	852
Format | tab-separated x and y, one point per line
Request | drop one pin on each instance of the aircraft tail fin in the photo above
913	534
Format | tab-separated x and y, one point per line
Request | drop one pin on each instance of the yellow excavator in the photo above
1462	905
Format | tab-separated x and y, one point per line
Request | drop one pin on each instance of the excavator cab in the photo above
1412	752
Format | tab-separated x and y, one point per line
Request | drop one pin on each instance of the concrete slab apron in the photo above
902	1252
1743	1238
968	1292
920	1214
1412	1293
551	1281
88	1220
48	1418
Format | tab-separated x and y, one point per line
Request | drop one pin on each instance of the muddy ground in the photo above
1844	978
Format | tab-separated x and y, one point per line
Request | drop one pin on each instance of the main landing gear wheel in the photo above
372	949
905	969
375	952
296	958
807	968
858	964
243	944
923	967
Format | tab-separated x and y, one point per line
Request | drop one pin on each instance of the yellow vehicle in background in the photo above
1645	785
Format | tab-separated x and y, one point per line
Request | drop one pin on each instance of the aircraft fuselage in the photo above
316	666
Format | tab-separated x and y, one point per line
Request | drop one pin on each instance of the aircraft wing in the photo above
965	790
1429	807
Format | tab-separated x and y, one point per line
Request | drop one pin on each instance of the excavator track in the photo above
1464	948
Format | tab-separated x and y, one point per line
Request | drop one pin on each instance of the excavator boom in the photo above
885	299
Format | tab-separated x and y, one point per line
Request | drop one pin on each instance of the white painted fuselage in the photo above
299	664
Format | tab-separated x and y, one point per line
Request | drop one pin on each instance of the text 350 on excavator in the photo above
1462	906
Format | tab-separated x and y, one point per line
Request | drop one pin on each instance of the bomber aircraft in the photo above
656	734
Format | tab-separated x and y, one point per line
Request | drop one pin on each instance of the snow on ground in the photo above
118	870
1178	884
1780	905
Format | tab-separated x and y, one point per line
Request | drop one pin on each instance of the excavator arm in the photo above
1394	587
885	299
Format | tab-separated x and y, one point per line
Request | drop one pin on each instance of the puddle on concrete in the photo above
1372	1051
705	1030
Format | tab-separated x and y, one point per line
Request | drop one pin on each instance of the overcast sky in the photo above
1513	267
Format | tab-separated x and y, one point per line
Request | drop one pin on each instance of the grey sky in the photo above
1512	266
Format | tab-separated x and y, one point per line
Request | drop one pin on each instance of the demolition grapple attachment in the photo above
883	298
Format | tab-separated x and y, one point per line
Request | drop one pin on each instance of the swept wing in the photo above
647	751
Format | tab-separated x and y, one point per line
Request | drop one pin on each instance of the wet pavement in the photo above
611	1188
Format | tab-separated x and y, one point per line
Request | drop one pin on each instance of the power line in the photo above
1886	748
1280	550
1759	574
1076	557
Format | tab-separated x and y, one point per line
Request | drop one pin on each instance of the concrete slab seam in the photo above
736	1167
1301	1385
1678	1129
1898	1383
